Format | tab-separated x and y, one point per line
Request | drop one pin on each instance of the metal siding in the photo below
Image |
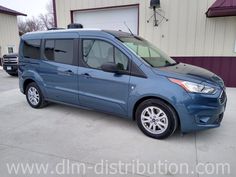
200	28
9	35
187	33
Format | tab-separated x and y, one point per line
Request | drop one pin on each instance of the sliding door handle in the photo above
69	71
86	75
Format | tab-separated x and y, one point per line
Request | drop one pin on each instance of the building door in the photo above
109	18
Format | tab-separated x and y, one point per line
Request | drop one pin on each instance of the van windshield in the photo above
148	52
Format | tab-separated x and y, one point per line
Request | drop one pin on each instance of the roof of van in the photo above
118	33
114	33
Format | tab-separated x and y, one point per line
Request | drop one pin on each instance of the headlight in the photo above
193	87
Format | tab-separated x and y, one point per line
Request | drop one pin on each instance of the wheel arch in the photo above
154	97
27	82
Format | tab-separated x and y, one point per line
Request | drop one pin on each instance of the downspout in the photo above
54	12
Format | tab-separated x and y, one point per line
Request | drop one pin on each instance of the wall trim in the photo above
106	7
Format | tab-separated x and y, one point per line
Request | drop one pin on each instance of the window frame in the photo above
82	63
75	48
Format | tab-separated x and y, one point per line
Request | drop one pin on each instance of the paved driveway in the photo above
59	134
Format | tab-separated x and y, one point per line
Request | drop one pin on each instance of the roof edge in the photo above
5	10
220	9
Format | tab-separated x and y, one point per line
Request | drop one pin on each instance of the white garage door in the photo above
109	18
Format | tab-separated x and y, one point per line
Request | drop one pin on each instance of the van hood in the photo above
192	72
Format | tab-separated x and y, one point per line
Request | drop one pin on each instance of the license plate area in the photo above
9	68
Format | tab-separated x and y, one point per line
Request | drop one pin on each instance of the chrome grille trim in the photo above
10	60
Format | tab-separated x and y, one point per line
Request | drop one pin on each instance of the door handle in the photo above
86	75
67	72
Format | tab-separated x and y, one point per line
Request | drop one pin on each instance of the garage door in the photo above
109	18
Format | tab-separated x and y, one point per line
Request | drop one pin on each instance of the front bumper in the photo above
202	111
10	68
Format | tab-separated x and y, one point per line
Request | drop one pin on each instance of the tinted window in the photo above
59	50
49	49
31	49
98	52
122	59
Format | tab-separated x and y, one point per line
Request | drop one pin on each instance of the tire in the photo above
34	96
156	119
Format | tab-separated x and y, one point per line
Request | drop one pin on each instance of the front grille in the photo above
9	60
222	97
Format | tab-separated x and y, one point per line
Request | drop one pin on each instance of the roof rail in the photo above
55	28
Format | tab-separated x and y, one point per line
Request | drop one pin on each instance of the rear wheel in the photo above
156	118
34	96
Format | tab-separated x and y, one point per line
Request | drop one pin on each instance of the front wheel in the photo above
156	118
34	96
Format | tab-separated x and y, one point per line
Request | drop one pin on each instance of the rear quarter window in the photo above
31	49
59	50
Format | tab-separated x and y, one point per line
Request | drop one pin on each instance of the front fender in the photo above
158	87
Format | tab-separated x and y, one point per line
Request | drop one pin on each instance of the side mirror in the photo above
110	67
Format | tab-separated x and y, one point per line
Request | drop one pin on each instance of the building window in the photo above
10	50
31	49
60	50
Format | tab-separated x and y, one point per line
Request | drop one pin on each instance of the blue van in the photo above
121	74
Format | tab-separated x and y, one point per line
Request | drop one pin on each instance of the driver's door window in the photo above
98	52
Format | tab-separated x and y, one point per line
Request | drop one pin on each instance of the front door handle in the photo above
66	73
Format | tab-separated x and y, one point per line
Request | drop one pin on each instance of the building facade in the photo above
199	32
9	35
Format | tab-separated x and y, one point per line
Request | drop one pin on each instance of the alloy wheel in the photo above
154	120
33	96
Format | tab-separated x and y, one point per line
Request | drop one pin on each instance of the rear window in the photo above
31	49
59	50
